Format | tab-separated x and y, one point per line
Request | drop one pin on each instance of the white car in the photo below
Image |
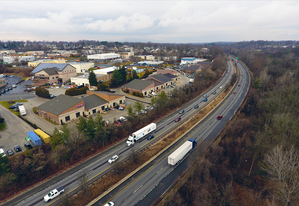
109	204
153	93
220	87
122	118
113	159
2	153
120	108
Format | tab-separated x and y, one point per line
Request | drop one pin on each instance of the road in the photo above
98	166
150	183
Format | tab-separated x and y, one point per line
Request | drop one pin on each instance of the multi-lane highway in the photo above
147	185
98	165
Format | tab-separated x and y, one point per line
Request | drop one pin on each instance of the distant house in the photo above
2	81
54	73
164	71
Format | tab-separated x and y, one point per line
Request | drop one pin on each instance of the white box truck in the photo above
141	133
22	110
180	152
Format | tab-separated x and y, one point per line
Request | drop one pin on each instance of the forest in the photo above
257	160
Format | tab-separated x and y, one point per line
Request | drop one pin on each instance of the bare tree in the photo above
83	179
282	166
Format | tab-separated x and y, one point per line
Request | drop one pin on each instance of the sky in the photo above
163	21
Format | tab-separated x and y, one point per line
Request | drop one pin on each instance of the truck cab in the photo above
130	141
53	194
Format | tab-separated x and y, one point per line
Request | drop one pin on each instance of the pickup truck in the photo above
53	194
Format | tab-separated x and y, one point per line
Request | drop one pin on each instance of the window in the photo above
94	111
77	114
103	107
67	118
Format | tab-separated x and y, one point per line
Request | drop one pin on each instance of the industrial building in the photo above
103	57
81	67
190	60
54	73
63	108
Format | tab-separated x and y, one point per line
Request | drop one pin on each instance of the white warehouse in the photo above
107	56
81	67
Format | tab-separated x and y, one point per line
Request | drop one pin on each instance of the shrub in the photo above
1	120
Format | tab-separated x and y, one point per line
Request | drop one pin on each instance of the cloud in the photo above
122	23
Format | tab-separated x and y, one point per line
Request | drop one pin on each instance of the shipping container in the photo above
44	136
34	138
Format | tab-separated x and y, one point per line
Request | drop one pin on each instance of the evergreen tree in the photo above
135	76
92	79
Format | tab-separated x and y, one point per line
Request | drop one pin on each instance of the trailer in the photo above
34	138
44	136
22	110
141	133
179	153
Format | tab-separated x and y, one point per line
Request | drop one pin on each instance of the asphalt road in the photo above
147	185
98	165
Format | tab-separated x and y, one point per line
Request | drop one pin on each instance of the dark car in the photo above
196	106
28	145
234	92
13	107
214	92
107	109
219	117
10	152
150	137
206	99
18	148
239	85
182	111
177	119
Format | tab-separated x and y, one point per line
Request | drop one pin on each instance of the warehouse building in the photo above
54	73
63	109
81	67
103	57
142	86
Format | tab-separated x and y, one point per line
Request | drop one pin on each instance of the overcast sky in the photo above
149	21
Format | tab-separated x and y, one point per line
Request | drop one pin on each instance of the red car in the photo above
117	122
177	119
219	117
234	92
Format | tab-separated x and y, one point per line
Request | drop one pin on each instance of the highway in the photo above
98	166
150	183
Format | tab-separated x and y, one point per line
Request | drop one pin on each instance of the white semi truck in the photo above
179	153
141	133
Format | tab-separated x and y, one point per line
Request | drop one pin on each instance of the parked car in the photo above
196	106
149	96
150	137
122	118
107	109
113	159
18	148
117	121
2	153
153	93
13	107
27	145
219	117
52	96
120	108
181	111
177	119
10	152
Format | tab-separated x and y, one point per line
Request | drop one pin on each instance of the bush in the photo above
75	91
1	120
42	92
